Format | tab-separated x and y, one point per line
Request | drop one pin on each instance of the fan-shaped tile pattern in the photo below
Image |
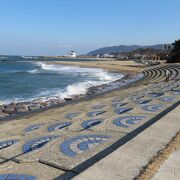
175	92
117	105
167	99
5	144
152	108
154	95
70	116
98	107
136	97
117	100
57	126
122	110
37	143
127	121
90	123
143	101
16	177
82	143
33	127
95	113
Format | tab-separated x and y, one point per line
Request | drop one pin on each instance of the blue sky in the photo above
53	27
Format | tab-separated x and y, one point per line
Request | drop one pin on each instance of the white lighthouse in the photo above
72	54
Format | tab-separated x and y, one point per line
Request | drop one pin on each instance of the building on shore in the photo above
71	54
108	55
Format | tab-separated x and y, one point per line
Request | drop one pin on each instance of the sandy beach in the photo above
113	65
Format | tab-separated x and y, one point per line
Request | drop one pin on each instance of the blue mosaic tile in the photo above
127	121
82	143
57	126
142	101
98	107
175	92
117	100
72	115
118	105
154	95
5	144
16	177
122	110
37	143
95	113
136	97
153	108
177	89
33	127
90	123
167	99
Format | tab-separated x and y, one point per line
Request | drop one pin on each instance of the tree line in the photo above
174	56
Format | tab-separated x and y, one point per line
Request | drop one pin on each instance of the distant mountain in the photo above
122	48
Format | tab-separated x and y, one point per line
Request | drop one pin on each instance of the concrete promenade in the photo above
127	161
170	170
111	136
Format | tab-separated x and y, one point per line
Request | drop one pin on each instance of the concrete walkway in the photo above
127	161
111	136
170	170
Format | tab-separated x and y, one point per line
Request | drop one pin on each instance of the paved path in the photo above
126	162
62	142
170	170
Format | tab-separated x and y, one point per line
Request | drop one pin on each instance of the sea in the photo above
24	81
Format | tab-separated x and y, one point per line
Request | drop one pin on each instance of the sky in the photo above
54	27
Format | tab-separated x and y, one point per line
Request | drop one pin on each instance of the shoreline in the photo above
112	66
13	109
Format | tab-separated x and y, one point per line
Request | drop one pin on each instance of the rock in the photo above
21	108
1	107
2	114
11	105
34	107
43	104
68	99
9	110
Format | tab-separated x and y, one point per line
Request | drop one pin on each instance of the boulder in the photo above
34	107
1	107
68	99
9	110
2	114
21	108
11	105
43	104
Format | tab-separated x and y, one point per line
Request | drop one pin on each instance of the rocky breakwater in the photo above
22	107
39	103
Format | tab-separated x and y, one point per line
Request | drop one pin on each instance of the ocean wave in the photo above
80	88
75	70
86	78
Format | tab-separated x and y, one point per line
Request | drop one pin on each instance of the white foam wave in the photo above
33	71
91	77
77	89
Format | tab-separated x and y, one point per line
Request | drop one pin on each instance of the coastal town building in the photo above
108	56
122	57
71	54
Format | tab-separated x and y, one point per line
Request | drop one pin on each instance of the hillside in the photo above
122	48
